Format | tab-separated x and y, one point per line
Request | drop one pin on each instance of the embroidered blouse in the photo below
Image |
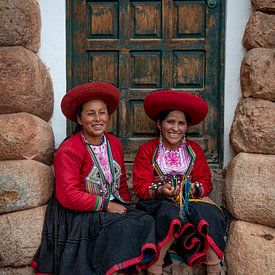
105	174
102	156
173	161
148	159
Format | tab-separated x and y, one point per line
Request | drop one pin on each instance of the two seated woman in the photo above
90	226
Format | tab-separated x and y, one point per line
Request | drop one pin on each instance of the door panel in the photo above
140	46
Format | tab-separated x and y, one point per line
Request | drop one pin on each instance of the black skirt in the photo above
204	226
82	243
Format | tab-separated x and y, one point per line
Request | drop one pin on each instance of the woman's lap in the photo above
205	225
92	242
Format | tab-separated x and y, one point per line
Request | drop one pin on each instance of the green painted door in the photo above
140	46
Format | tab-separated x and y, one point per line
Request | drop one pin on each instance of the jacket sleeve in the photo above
201	172
143	173
67	166
123	189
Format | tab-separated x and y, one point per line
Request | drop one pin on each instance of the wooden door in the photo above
140	46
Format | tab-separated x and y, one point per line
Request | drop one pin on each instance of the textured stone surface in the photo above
263	5
25	136
20	236
218	179
25	83
17	271
250	249
24	184
253	130
183	269
260	31
250	188
20	24
258	74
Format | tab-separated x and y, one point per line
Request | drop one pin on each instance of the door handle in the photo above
212	3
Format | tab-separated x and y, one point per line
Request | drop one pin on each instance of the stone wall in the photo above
250	179
26	136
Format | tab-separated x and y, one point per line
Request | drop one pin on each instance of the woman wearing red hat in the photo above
172	180
89	228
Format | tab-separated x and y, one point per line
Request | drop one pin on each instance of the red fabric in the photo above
161	100
88	91
143	173
72	163
135	261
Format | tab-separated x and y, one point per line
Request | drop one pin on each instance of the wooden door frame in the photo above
220	66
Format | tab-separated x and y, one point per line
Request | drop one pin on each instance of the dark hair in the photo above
79	109
78	127
164	114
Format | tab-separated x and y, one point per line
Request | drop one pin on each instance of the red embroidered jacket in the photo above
143	171
73	163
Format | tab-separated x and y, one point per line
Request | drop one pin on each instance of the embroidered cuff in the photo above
98	204
105	205
153	190
198	190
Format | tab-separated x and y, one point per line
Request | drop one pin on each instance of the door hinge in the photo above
212	3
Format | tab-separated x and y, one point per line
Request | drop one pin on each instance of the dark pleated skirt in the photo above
84	243
204	226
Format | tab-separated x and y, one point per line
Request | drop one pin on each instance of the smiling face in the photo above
173	127
94	118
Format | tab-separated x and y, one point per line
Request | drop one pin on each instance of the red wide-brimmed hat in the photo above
89	91
161	100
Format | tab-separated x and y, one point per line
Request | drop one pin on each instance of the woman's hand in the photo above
196	190
114	207
168	190
193	189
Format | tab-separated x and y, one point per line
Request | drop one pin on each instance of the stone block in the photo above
260	31
24	184
250	188
20	24
218	179
258	74
17	271
25	83
250	249
25	136
20	236
263	5
253	130
183	269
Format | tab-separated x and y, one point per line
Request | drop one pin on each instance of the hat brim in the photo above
86	92
194	106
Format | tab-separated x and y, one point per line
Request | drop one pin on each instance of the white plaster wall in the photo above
53	54
237	15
